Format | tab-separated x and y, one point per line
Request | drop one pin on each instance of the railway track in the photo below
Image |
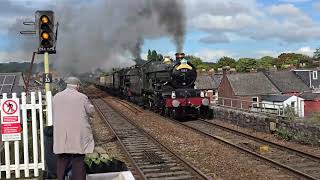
297	162
149	158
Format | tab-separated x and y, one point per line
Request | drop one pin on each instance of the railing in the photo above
251	106
35	138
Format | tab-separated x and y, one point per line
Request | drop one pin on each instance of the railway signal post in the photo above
47	41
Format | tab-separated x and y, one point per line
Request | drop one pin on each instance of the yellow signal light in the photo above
45	35
44	19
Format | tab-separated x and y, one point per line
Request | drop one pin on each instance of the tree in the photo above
149	55
246	64
316	54
266	62
226	61
154	55
196	61
286	59
160	57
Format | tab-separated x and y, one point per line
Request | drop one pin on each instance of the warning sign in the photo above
10	120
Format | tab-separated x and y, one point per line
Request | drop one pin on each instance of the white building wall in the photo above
298	105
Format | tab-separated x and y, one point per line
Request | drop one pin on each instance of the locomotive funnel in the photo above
179	56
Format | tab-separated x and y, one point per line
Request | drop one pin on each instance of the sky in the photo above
215	28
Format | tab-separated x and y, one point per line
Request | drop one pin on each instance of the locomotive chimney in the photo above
179	56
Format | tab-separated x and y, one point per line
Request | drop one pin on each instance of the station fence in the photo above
251	106
26	157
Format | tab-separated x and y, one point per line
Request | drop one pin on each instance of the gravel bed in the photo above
214	159
105	141
315	150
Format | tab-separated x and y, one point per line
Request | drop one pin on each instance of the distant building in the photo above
275	102
311	103
11	83
209	84
287	82
311	77
247	87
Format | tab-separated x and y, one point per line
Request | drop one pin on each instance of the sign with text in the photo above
47	78
10	120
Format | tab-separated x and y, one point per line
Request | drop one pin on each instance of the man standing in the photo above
72	134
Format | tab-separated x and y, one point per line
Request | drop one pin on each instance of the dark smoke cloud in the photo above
103	34
108	33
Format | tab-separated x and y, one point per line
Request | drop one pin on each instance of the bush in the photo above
284	134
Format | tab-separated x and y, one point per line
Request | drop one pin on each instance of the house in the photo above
247	87
282	102
310	78
311	103
287	82
209	85
11	83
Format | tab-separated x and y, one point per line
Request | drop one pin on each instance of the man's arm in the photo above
88	106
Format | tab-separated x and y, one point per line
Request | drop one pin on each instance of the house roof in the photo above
204	81
287	82
275	98
306	76
217	78
308	96
247	84
11	83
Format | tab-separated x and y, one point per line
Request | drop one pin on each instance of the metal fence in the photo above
32	143
251	106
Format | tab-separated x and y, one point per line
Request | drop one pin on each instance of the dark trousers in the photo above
75	162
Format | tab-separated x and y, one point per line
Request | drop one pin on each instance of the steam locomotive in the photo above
164	86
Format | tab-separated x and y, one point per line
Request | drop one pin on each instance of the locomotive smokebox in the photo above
179	56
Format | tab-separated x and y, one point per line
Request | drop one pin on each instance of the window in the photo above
315	75
255	101
292	104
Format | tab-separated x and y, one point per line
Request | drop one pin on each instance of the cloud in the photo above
210	22
316	6
215	38
306	51
294	1
284	9
209	55
284	22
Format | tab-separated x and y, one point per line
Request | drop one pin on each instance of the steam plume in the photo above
103	34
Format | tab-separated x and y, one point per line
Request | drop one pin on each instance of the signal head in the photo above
44	19
46	31
45	35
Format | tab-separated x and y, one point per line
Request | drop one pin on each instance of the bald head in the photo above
72	82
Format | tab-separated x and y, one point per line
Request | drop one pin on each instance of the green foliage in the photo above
246	64
314	118
226	61
286	59
290	113
196	61
316	54
153	55
284	134
149	57
265	62
96	158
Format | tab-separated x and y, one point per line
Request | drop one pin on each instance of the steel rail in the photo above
299	173
133	163
190	166
310	156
